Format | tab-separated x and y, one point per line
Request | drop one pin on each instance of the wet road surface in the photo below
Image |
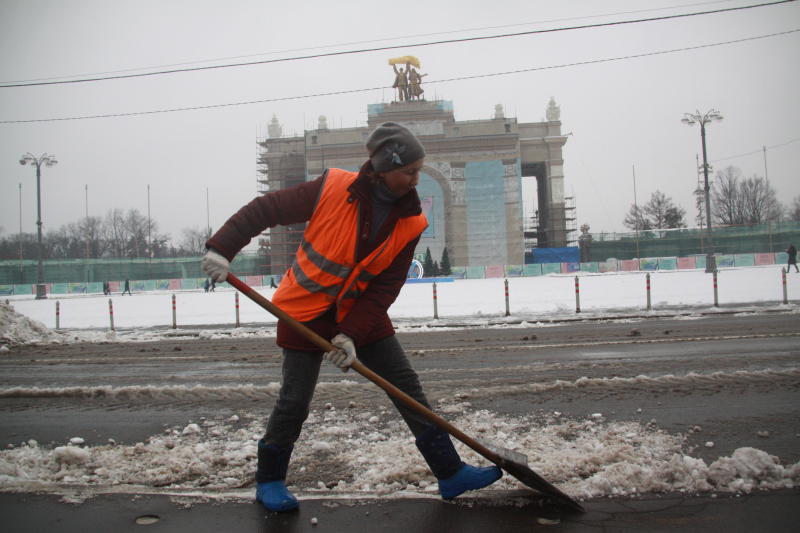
751	398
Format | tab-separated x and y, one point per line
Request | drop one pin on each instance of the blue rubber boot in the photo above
455	477
271	491
275	496
468	478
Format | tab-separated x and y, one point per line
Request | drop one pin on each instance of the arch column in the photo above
450	177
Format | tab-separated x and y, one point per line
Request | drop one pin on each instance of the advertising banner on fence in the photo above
458	272
667	263
513	270
551	268
725	261
765	259
494	271
533	270
648	263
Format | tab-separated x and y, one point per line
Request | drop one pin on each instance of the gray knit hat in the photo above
392	146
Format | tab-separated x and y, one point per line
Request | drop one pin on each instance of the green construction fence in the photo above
685	242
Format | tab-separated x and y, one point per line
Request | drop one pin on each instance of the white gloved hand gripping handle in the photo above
346	353
216	266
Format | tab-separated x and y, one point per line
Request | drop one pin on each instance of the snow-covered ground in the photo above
476	301
586	457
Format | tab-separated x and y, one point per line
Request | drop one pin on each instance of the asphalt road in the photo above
497	366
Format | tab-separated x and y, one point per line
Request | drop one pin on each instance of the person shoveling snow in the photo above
357	248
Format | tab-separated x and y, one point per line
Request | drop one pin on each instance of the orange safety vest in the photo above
325	272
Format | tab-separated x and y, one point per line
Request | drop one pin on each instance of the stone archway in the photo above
450	178
538	170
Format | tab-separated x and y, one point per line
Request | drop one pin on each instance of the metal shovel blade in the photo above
516	464
512	462
551	493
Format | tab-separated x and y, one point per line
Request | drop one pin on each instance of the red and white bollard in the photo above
174	314
649	301
111	313
785	291
577	295
58	310
508	309
237	309
716	290
435	303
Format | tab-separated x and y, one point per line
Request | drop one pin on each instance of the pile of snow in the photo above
19	329
355	451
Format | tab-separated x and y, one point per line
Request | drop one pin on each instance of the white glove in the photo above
346	353
215	266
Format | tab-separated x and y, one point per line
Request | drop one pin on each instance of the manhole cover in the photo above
148	519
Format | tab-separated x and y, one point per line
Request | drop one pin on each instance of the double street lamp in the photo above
704	118
46	160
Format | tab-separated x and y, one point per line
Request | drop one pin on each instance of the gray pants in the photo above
301	371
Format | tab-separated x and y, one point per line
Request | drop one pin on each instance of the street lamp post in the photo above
703	119
49	161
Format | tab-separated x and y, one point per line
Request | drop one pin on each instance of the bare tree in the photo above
70	240
759	201
159	243
92	233
116	232
62	243
136	225
726	208
194	241
747	201
10	246
636	220
794	209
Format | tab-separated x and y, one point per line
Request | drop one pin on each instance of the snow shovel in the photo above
512	462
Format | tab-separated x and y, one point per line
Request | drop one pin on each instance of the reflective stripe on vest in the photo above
324	272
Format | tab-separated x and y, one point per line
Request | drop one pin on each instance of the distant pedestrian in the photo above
207	284
272	283
127	287
213	285
792	251
106	288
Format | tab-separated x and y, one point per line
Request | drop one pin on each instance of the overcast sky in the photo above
621	113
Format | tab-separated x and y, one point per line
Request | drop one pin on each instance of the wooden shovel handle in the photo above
359	367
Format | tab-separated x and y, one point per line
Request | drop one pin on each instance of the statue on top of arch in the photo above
408	81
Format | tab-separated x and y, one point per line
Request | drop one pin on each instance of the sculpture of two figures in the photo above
408	81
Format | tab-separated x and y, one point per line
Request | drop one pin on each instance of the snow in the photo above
480	302
70	455
587	458
19	329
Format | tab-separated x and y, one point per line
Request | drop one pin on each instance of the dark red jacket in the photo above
368	321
